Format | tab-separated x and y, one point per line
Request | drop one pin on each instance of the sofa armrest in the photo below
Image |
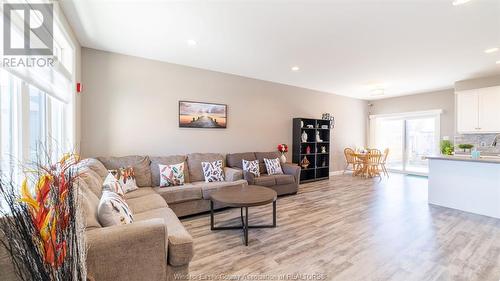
233	174
136	251
249	177
292	169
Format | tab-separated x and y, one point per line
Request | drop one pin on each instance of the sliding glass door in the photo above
409	137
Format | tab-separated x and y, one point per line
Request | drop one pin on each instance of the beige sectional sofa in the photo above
155	246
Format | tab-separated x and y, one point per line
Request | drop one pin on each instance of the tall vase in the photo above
283	158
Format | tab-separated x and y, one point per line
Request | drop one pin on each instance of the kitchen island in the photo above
463	183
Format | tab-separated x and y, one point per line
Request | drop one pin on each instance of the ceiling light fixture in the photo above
295	68
491	50
191	43
459	2
497	62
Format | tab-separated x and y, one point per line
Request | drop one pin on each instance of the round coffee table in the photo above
243	197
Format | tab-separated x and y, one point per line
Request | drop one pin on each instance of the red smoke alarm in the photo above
79	87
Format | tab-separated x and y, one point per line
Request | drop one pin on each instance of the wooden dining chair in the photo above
350	159
375	158
384	161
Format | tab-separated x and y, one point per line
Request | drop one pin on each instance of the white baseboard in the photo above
336	173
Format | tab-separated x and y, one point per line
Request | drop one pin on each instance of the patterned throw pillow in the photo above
171	175
273	166
113	210
212	171
126	178
251	166
112	184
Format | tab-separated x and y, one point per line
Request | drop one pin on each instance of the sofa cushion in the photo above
208	187
265	180
143	191
92	179
95	165
284	179
139	163
194	164
234	160
167	160
177	194
180	242
146	203
269	155
89	203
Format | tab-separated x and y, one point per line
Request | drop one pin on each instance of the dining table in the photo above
364	159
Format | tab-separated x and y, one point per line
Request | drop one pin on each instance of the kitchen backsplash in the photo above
480	141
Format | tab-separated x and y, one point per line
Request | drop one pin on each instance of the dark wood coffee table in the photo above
243	198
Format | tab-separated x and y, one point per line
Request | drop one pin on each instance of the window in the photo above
37	103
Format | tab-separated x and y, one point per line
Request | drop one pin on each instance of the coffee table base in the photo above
244	221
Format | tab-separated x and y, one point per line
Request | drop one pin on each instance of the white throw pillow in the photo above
113	210
273	166
112	184
212	171
171	175
126	178
251	166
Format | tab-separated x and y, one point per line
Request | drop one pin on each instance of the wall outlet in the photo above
482	144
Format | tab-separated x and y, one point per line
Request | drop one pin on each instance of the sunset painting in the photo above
202	115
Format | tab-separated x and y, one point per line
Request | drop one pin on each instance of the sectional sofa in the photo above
156	246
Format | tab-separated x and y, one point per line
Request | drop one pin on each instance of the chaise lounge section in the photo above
287	183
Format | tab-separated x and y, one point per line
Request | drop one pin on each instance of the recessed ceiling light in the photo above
491	50
497	62
295	68
459	2
191	42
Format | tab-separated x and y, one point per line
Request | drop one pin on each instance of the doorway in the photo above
410	137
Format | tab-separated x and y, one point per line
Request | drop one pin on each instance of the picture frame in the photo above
193	114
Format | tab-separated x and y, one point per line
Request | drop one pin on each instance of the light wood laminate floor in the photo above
351	229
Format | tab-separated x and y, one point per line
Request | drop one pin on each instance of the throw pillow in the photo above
113	210
112	184
126	178
171	175
212	171
251	166
273	166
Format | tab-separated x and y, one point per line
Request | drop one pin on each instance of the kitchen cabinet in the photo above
478	110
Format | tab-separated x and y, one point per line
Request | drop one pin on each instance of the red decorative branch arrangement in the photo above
40	224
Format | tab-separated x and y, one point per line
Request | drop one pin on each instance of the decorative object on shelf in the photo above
42	226
323	164
308	150
283	148
323	149
446	147
302	124
318	138
328	116
310	126
202	115
304	136
324	126
304	163
465	146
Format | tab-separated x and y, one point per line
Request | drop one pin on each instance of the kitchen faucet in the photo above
495	141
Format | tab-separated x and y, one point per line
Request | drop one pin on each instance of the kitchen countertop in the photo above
467	158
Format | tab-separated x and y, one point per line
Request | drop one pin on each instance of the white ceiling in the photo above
342	47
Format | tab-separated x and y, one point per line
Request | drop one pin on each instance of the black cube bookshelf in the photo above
318	153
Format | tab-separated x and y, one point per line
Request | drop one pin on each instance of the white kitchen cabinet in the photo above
478	110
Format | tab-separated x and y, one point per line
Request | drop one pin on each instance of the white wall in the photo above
130	106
